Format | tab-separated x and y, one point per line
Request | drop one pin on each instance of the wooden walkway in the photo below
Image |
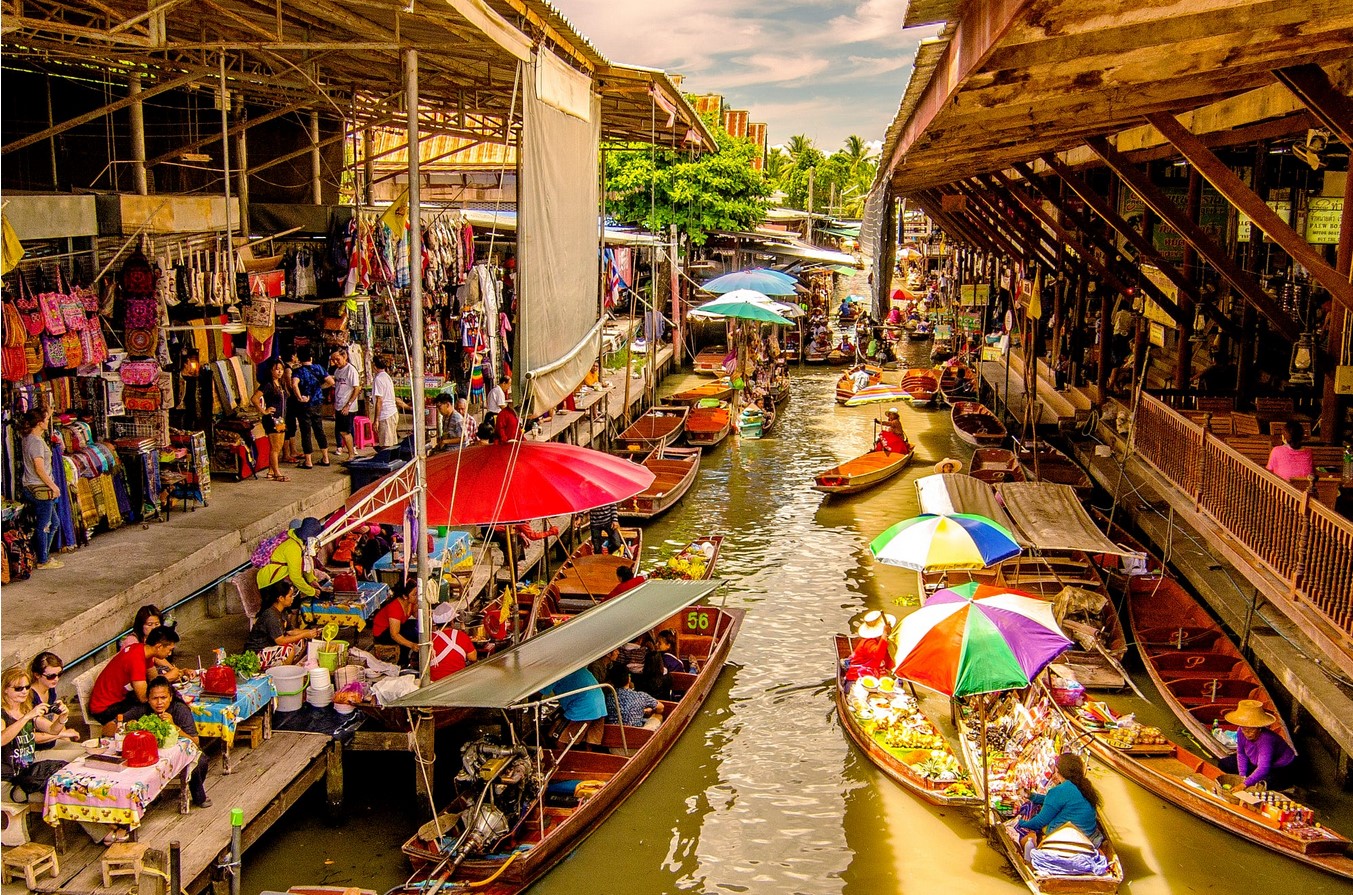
267	781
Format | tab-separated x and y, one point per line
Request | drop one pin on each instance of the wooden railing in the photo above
1306	544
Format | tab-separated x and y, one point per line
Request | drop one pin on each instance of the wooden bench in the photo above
1255	447
613	736
1327	456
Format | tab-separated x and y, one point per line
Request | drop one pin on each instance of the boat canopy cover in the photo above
1051	517
957	493
509	677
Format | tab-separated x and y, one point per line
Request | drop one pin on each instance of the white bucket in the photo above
344	708
1135	564
319	697
289	681
320	679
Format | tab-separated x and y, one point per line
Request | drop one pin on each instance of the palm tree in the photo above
858	154
777	162
798	145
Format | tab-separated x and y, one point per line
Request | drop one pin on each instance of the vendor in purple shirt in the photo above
1262	756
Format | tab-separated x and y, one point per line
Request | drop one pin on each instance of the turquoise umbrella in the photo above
763	281
744	304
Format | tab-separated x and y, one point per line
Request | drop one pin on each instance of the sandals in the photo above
117	836
305	465
280	477
325	463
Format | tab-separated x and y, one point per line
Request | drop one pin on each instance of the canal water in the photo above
763	793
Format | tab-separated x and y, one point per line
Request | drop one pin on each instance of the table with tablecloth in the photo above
352	609
102	793
450	549
221	716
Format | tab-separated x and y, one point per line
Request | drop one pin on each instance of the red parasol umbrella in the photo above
546	479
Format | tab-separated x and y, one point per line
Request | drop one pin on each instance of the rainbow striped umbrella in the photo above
934	543
975	638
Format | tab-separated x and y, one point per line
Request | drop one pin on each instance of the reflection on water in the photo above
763	793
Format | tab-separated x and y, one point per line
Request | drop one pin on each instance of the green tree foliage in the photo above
840	181
711	192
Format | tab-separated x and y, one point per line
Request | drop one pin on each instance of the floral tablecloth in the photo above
352	611
96	792
218	716
449	548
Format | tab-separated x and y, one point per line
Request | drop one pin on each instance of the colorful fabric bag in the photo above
53	351
29	307
142	342
138	372
142	398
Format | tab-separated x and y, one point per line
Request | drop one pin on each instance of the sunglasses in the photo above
23	688
51	675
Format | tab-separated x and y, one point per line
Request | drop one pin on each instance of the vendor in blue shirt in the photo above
585	712
1071	798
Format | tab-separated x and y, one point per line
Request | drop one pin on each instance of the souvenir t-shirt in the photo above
345	384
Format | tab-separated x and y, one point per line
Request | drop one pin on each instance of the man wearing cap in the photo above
1262	756
289	559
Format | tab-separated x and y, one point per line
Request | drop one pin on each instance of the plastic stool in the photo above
363	434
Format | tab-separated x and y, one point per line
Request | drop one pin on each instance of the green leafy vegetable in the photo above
246	664
164	731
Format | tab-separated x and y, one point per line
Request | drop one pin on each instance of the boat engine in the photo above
501	784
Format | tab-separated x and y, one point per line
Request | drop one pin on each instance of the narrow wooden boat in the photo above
921	385
921	332
1048	464
1007	838
586	577
694	562
957	383
675	469
838	358
658	427
710	361
976	425
519	846
793	342
995	465
709	423
862	472
815	355
845	385
718	390
900	763
1177	775
755	422
1198	670
780	390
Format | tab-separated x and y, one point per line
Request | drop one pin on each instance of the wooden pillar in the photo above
1245	351
368	165
242	179
424	753
138	128
1183	371
316	185
333	778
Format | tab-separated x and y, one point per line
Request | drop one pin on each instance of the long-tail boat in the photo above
921	385
521	808
658	427
903	763
976	425
718	390
675	469
709	423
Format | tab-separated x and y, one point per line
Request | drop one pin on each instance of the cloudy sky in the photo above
825	68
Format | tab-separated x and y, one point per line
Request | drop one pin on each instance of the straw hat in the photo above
1250	713
948	464
892	411
872	623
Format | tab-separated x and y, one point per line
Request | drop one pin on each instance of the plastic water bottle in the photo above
119	734
1348	462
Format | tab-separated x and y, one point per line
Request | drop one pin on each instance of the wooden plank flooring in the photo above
267	780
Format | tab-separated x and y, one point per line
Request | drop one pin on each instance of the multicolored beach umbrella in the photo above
975	638
877	394
935	543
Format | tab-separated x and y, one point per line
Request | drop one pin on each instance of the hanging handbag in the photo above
88	297
29	307
15	331
53	351
71	305
15	363
92	343
140	312
219	680
142	398
32	351
138	372
52	321
73	348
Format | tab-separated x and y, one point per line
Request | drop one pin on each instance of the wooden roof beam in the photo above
1242	280
233	132
1312	86
1079	258
1028	242
1145	250
932	205
971	215
990	193
1243	198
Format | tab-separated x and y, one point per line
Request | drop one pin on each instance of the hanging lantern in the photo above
1301	371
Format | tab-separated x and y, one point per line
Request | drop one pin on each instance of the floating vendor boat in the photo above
793	342
921	385
523	808
845	385
957	383
1171	772
779	389
709	423
675	470
658	427
1198	670
995	465
694	562
710	361
921	331
838	358
816	354
1047	464
1025	733
718	390
888	726
862	472
586	577
976	425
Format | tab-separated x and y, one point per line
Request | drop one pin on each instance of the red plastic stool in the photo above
363	434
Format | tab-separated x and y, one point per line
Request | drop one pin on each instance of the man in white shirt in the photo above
387	406
495	399
346	394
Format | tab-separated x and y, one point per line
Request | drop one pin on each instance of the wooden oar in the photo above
1118	666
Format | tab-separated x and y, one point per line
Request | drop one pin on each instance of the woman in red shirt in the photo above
873	653
396	624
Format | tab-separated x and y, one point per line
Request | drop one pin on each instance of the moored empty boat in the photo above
709	423
658	427
675	469
994	465
976	425
921	385
710	361
718	390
